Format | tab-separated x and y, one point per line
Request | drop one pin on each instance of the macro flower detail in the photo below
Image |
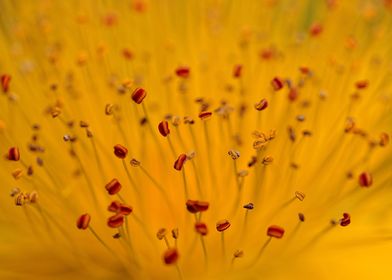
197	139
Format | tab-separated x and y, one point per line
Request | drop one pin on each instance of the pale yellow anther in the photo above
33	197
190	155
299	195
271	134
259	144
20	199
161	233
234	154
109	109
135	162
17	173
267	160
176	120
243	173
55	112
238	254
14	191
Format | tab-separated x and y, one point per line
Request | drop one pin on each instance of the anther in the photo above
234	154
277	84
301	217
252	161
346	220
195	206
125	209
299	195
365	179
83	124
188	120
362	84
13	154
17	173
249	206
116	221
237	71
20	199
120	151
201	228
175	233
267	160
190	155
14	191
384	139
170	256
161	233
275	231
175	120
5	82
83	221
135	162
300	118
205	115
222	225
179	163
163	128
109	109
114	206
183	72
33	197
238	254
138	95
113	186
55	112
261	105
243	173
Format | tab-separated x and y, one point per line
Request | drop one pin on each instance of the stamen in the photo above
175	233
365	179
83	221
179	163
195	206
116	221
120	151
161	234
13	154
113	186
170	256
221	226
277	84
346	220
300	195
138	95
5	82
261	105
183	72
275	231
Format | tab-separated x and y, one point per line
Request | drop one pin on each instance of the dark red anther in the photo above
120	151
183	72
201	228
222	225
365	179
114	206
170	256
138	95
237	71
277	84
113	186
116	221
125	209
13	154
304	70
346	220
179	163
205	115
5	82
83	221
249	206
275	231
163	128
362	84
195	206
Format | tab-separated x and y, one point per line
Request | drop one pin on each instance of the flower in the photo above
280	120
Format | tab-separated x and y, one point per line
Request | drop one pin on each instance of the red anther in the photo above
125	209
5	82
163	128
138	95
267	54
120	151
195	206
127	53
304	70
205	115
83	221
201	228
116	221
170	256
13	154
113	186
179	163
362	84
365	179
293	94
262	105
275	231
315	29
384	139
346	220
183	72
301	217
114	206
277	84
222	225
237	72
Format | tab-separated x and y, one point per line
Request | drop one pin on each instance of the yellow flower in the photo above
195	139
